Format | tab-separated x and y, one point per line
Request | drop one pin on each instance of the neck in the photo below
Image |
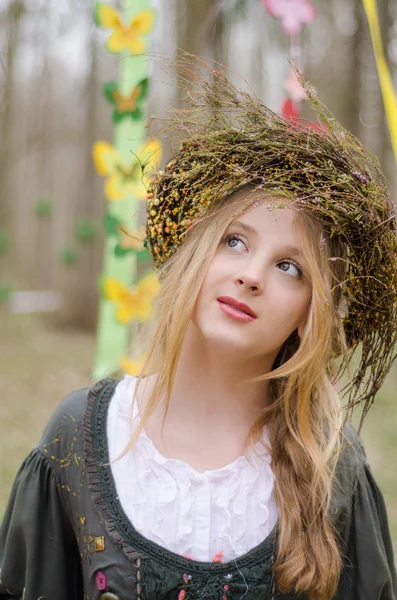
210	386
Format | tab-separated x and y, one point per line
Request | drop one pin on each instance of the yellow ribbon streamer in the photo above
385	80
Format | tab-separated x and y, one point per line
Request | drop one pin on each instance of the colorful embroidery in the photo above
88	543
216	587
186	579
218	558
71	457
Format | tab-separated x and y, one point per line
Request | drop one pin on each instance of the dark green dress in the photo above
65	535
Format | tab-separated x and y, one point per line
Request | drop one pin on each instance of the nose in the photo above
250	281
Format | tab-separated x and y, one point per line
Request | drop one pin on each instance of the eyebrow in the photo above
294	250
244	226
289	249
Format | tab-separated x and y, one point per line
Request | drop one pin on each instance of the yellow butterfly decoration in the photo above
132	367
132	304
126	178
131	240
125	36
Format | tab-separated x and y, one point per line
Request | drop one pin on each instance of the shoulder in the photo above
349	471
352	453
352	457
65	429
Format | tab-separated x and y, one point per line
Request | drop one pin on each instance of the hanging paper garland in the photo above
293	14
290	110
385	79
127	105
69	256
125	36
132	304
132	367
5	293
126	178
86	230
44	208
126	165
132	241
127	240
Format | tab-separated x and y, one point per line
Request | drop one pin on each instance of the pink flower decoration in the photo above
293	13
294	88
290	110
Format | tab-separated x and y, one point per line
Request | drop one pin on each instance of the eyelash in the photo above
234	236
297	267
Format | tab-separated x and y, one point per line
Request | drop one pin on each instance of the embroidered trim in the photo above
121	531
95	448
138	578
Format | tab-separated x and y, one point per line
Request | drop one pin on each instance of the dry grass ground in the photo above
40	365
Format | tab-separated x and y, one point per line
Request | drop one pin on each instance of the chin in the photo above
226	339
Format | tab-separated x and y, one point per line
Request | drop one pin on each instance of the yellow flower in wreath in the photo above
123	178
132	304
125	36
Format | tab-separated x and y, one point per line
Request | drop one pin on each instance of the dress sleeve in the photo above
369	569
38	550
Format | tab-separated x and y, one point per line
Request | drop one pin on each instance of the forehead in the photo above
270	214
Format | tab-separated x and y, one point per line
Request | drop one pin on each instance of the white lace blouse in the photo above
215	515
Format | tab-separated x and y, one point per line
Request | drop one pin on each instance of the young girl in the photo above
228	472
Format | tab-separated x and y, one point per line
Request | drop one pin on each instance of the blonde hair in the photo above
304	419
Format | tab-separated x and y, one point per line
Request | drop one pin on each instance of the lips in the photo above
244	308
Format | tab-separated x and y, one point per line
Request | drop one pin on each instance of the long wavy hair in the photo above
304	418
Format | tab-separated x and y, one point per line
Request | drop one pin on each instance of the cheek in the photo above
212	287
214	276
204	294
293	304
303	304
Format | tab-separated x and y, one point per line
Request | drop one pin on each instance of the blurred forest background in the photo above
52	110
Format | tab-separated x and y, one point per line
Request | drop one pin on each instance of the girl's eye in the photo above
290	268
233	240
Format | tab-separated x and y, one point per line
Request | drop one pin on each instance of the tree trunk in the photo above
195	21
80	308
11	23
